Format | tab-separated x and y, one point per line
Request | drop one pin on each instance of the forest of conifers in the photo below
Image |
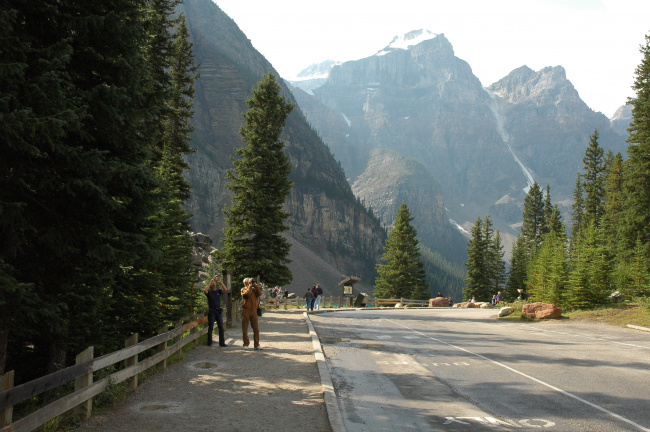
95	105
608	248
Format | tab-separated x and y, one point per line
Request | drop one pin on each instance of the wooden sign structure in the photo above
347	287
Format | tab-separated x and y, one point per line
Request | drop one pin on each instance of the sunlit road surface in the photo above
448	369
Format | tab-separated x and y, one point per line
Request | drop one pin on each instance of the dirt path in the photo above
230	388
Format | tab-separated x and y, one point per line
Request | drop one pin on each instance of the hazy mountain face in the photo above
484	146
336	234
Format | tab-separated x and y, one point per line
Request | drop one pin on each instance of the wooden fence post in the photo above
177	339
6	383
163	345
84	408
132	382
194	329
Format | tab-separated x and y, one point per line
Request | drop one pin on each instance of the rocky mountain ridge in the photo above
484	146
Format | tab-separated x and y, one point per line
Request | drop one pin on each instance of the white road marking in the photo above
583	336
559	390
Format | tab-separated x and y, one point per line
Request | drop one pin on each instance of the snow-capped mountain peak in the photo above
407	40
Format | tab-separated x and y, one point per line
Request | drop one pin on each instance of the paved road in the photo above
454	369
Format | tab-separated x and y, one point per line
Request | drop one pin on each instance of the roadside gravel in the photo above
231	388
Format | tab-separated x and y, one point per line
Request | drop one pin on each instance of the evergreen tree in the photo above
636	224
478	276
533	218
253	244
593	183
517	274
497	264
403	274
638	276
90	188
547	273
589	273
548	211
613	203
577	214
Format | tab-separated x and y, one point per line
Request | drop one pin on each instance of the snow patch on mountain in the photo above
407	40
505	137
458	227
347	120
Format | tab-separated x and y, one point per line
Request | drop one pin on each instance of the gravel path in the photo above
231	388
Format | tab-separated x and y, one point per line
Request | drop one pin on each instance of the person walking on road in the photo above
250	295
214	310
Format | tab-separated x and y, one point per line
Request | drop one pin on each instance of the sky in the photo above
596	41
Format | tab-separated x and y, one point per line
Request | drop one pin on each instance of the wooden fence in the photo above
82	373
333	302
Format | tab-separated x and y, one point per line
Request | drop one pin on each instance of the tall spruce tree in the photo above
637	174
497	267
253	243
533	218
81	183
593	180
547	273
588	273
516	283
578	207
477	265
403	274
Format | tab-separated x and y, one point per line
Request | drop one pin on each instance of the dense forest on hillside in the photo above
608	248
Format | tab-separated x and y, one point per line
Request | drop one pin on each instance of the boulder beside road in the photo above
541	310
438	302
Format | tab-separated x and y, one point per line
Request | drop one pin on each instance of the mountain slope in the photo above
325	217
484	147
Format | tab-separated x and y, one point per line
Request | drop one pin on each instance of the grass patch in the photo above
635	312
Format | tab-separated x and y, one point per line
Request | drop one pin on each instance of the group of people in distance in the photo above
250	293
496	299
313	296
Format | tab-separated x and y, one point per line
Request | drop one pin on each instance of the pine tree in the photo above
547	274
253	244
577	214
636	224
478	275
497	265
589	273
402	275
548	211
517	274
533	218
593	183
79	144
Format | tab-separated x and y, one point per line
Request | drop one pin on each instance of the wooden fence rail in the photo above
85	388
326	302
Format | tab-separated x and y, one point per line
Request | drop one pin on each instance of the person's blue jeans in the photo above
310	304
216	315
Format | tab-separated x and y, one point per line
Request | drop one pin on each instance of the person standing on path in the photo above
214	310
309	297
319	298
250	294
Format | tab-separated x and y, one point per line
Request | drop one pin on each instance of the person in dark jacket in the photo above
214	309
309	297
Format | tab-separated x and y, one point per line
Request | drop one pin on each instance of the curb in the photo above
635	327
331	402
